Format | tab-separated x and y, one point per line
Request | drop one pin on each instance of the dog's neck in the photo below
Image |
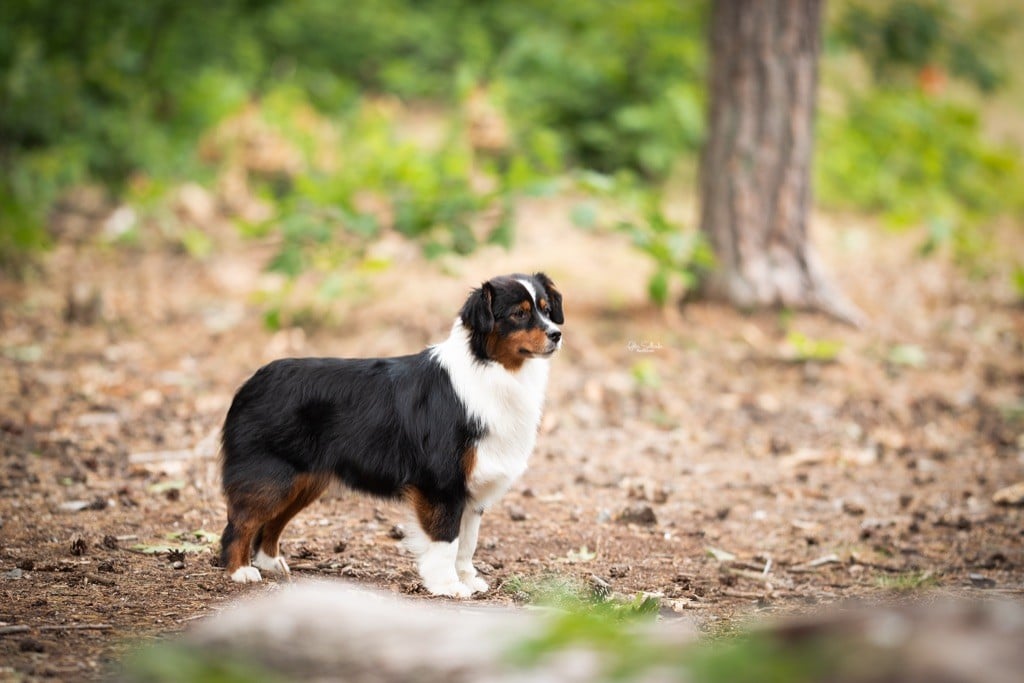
479	383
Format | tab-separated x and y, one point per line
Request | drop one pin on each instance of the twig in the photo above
76	627
747	574
101	580
813	564
16	628
21	628
743	594
161	456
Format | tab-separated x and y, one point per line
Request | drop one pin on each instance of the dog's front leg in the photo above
436	542
469	532
437	569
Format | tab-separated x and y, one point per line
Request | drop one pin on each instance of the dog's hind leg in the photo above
251	507
305	489
236	546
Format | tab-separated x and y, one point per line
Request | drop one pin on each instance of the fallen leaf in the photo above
582	555
719	554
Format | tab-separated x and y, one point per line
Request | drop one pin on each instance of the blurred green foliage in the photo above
102	90
911	145
910	41
126	93
680	256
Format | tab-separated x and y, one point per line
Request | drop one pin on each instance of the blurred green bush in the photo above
114	88
128	94
911	144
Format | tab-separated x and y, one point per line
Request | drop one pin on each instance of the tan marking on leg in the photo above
468	463
305	490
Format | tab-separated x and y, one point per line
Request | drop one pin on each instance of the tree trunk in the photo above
755	170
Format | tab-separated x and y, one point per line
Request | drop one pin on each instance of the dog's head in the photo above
513	318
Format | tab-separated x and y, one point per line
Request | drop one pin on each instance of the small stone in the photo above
661	494
517	514
981	581
110	542
177	565
1011	495
397	532
74	506
31	645
13	574
638	514
852	507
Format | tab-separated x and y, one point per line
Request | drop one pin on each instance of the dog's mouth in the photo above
546	353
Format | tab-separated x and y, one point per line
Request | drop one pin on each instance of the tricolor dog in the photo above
448	429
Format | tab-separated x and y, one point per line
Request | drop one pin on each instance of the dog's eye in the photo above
519	314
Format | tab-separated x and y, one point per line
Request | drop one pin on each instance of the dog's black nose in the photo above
554	335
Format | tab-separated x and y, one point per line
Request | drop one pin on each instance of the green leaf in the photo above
161	548
806	349
197	243
657	287
1018	282
909	355
165	486
584	215
289	261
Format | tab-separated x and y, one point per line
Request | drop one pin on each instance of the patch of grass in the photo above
613	629
908	582
1018	282
587	616
166	663
760	658
570	594
805	349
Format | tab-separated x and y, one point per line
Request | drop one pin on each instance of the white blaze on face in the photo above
548	325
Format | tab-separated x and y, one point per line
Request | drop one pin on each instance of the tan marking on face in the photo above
525	306
508	350
543	305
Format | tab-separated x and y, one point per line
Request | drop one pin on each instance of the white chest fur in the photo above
508	405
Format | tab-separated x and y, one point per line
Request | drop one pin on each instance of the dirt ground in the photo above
691	453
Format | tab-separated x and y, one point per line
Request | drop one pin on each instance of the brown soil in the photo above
756	482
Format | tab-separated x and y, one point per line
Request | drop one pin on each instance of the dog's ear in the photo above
476	313
554	296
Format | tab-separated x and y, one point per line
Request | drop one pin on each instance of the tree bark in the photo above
755	170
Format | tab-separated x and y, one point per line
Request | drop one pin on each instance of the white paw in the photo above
275	565
451	589
246	575
475	584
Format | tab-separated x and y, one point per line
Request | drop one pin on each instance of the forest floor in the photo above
697	453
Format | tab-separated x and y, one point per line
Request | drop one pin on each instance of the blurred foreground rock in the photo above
329	631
